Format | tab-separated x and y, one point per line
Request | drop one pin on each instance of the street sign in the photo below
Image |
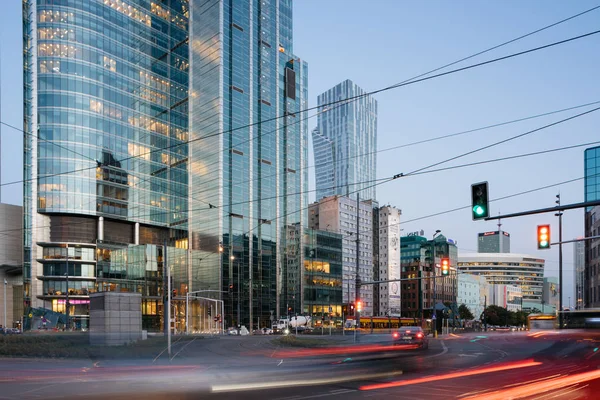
434	317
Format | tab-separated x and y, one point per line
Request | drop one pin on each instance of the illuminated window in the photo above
110	64
130	11
96	106
139	151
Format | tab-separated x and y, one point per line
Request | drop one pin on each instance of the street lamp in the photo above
433	269
5	289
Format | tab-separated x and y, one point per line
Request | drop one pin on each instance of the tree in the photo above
496	315
464	312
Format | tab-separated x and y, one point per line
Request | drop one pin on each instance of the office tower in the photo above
249	183
493	242
339	214
345	143
145	127
591	294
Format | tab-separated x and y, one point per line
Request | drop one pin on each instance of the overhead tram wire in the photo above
344	101
385	180
424	141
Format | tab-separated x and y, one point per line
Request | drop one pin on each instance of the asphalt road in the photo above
504	365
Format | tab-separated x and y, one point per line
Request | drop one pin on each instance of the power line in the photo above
344	101
384	180
502	141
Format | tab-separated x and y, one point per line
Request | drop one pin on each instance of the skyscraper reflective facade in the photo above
591	294
144	127
248	184
345	143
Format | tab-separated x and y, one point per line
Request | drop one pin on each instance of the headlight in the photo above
286	331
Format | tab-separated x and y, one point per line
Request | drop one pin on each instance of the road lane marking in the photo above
307	382
280	362
444	351
314	396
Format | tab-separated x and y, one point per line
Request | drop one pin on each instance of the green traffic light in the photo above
479	210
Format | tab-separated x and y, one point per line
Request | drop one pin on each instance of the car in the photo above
411	335
267	331
232	331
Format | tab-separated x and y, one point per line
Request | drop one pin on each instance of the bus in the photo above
581	319
542	321
386	324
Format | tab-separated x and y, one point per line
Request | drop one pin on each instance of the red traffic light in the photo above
445	266
543	237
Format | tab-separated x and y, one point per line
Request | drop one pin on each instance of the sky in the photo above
390	41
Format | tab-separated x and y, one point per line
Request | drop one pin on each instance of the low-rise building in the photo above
11	265
472	292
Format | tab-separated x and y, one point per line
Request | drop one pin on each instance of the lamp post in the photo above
433	271
67	292
5	289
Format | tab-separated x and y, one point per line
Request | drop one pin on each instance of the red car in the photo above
411	335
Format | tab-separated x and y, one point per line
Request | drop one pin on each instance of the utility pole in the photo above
5	289
484	309
560	265
67	291
357	284
168	268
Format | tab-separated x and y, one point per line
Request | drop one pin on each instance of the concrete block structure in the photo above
115	318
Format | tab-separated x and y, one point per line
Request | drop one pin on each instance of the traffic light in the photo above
479	201
351	308
445	266
543	237
230	289
209	311
359	306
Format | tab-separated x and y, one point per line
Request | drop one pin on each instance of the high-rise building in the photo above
493	242
249	184
145	126
579	272
591	293
345	142
387	265
339	214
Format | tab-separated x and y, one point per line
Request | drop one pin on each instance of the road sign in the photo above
434	317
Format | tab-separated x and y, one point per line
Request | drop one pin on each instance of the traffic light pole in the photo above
558	209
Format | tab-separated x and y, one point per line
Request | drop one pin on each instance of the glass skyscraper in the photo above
145	126
345	143
249	182
591	293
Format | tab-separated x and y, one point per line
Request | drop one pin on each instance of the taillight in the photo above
395	334
419	335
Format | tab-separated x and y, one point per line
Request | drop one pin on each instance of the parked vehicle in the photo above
411	335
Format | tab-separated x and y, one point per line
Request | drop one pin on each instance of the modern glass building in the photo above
591	293
145	126
248	184
323	275
345	143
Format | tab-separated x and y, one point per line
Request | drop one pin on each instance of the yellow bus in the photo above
541	321
385	324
